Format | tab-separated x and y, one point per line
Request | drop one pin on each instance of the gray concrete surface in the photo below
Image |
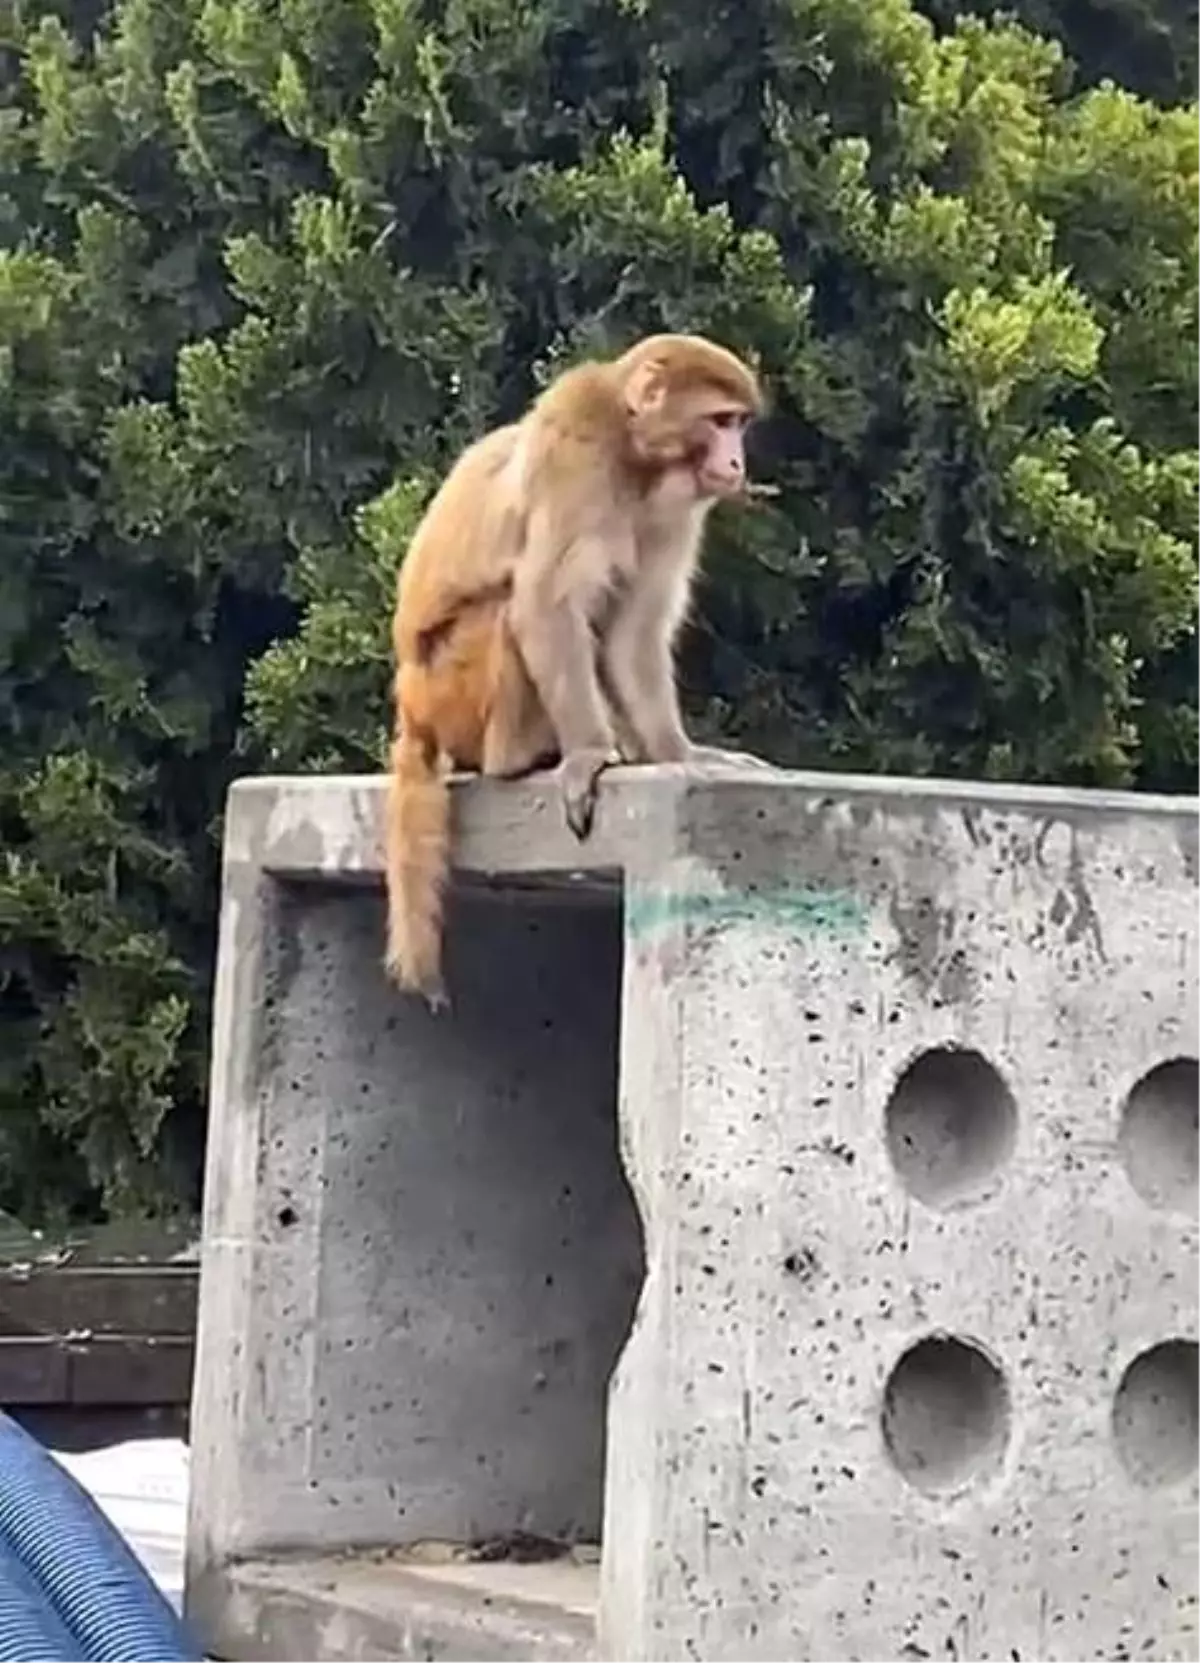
443	1257
907	1098
369	1607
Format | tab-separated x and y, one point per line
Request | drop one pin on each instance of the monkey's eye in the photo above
727	419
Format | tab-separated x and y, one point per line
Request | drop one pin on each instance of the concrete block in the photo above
905	1075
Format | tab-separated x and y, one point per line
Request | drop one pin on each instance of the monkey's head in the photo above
688	403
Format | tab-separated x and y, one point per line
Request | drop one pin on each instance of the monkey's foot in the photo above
710	754
579	781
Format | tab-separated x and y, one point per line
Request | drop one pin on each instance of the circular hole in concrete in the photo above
950	1123
1157	1137
1154	1419
946	1414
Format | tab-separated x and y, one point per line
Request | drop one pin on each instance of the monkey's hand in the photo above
579	781
436	998
430	990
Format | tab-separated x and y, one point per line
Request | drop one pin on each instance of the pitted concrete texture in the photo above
908	1100
442	1259
920	1222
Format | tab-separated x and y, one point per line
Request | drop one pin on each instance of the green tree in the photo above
265	265
122	647
968	291
1147	46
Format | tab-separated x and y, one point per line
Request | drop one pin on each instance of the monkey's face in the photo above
697	445
717	452
688	404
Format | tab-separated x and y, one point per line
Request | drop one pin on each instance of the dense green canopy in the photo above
265	264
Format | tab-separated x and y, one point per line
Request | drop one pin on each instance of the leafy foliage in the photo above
266	264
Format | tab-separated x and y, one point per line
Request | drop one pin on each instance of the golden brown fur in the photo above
539	601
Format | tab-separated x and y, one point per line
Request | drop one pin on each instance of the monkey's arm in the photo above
550	615
639	663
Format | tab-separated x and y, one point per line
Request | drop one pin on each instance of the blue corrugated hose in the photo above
30	1631
97	1598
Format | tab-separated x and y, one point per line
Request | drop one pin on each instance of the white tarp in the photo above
142	1487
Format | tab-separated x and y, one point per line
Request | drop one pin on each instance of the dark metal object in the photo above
106	1320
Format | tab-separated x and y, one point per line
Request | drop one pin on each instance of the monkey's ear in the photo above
646	388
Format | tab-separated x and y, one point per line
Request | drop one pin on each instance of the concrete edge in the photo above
263	1610
329	826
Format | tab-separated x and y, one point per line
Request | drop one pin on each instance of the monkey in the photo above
540	599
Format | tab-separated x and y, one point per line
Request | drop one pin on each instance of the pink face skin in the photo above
720	454
702	464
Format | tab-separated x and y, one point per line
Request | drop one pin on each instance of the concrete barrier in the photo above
906	1086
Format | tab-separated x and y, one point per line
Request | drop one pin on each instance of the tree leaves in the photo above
265	267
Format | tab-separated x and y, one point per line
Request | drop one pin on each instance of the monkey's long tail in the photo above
417	862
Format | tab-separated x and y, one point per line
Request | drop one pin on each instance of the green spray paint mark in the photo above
801	908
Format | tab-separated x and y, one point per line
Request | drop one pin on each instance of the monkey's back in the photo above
455	554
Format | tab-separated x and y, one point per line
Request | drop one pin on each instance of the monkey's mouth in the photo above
720	485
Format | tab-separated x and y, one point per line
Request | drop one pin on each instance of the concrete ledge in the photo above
320	826
386	1609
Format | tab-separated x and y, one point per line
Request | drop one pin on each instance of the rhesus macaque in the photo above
540	599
